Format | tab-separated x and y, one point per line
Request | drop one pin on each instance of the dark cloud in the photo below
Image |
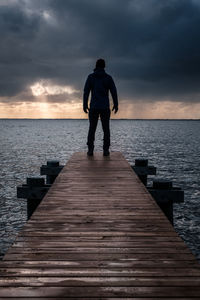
152	48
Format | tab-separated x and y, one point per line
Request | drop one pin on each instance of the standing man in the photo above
99	83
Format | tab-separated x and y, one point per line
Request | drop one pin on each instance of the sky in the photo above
151	49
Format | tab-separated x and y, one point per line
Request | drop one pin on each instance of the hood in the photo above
99	72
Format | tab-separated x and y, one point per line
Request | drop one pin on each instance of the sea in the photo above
173	146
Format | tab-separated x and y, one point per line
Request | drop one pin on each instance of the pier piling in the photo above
142	169
34	191
166	195
51	170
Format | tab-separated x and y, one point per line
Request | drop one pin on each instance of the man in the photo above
99	83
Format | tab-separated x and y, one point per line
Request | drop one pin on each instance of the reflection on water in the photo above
172	146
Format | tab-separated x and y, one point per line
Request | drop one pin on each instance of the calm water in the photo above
172	146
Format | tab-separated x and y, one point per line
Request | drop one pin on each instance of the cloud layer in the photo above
152	48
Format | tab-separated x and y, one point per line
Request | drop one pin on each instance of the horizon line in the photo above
117	119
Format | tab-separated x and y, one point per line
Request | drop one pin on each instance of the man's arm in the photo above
87	89
113	92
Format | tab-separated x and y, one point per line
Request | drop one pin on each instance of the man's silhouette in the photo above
99	83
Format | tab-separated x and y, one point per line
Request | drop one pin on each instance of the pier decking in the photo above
98	234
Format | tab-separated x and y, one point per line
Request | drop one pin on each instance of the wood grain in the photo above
98	234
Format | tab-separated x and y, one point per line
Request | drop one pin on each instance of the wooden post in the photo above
34	191
165	195
51	170
142	169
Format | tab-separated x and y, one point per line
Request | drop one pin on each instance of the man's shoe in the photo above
90	152
106	153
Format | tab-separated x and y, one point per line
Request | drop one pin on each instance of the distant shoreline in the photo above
121	119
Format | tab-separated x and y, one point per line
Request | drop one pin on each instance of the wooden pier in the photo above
98	234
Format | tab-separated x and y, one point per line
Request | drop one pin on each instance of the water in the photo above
172	146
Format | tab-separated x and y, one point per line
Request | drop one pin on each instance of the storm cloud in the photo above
152	48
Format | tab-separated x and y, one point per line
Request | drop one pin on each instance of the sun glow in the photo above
45	88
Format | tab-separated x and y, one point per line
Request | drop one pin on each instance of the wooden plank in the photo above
98	234
27	236
98	256
103	272
97	298
83	292
112	244
98	281
118	263
98	250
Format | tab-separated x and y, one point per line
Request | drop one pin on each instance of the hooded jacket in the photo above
99	83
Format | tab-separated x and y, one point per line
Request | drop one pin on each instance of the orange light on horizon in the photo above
127	110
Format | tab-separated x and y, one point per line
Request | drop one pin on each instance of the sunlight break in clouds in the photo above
49	47
45	88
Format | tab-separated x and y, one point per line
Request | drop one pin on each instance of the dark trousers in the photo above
105	120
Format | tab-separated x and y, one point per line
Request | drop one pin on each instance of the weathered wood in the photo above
103	292
98	234
103	272
98	281
98	257
119	263
97	298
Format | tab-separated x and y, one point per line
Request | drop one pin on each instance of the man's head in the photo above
100	63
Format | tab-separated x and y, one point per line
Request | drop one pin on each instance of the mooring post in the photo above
142	169
34	191
166	195
51	170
